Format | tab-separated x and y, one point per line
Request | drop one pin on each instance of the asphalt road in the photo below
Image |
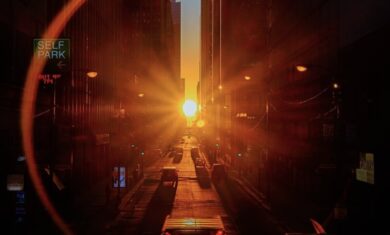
145	210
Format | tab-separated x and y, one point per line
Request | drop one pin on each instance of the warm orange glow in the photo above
140	95
301	68
220	232
336	86
190	46
200	123
247	78
189	108
92	74
220	87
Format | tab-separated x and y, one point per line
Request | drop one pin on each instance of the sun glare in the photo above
189	108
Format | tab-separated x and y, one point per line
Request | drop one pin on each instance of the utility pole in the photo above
267	160
53	133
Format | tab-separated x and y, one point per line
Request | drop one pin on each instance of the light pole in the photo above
334	85
267	160
86	74
52	110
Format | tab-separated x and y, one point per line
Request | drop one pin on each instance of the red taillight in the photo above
220	232
167	233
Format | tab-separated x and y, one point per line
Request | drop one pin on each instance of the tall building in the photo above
209	67
206	53
225	63
20	23
309	129
151	27
72	123
153	49
176	19
330	114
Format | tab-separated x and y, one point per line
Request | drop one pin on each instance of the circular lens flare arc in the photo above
28	107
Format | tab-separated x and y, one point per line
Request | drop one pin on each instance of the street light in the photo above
52	110
336	92
334	85
92	74
301	68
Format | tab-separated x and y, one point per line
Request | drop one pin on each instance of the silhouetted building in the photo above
307	129
229	41
72	121
153	49
176	20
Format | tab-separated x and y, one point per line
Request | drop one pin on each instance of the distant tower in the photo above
176	19
182	88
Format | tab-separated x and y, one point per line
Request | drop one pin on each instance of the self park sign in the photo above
55	51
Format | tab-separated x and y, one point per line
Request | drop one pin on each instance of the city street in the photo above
194	117
145	211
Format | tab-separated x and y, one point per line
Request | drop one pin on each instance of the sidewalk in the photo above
290	212
102	194
95	207
288	209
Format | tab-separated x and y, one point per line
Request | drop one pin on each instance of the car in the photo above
178	150
200	162
177	154
193	226
203	176
218	172
177	157
195	153
169	176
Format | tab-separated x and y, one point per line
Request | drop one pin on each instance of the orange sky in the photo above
190	45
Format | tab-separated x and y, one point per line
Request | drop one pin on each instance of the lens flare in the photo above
200	123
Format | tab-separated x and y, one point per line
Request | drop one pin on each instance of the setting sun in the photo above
189	108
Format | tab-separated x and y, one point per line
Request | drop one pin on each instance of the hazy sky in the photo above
190	45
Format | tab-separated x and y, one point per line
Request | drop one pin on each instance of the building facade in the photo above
292	131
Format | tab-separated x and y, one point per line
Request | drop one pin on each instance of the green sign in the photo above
365	172
55	51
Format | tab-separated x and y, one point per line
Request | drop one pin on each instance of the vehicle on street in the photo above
218	172
200	162
203	176
177	157
195	153
193	226
178	150
177	154
169	176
